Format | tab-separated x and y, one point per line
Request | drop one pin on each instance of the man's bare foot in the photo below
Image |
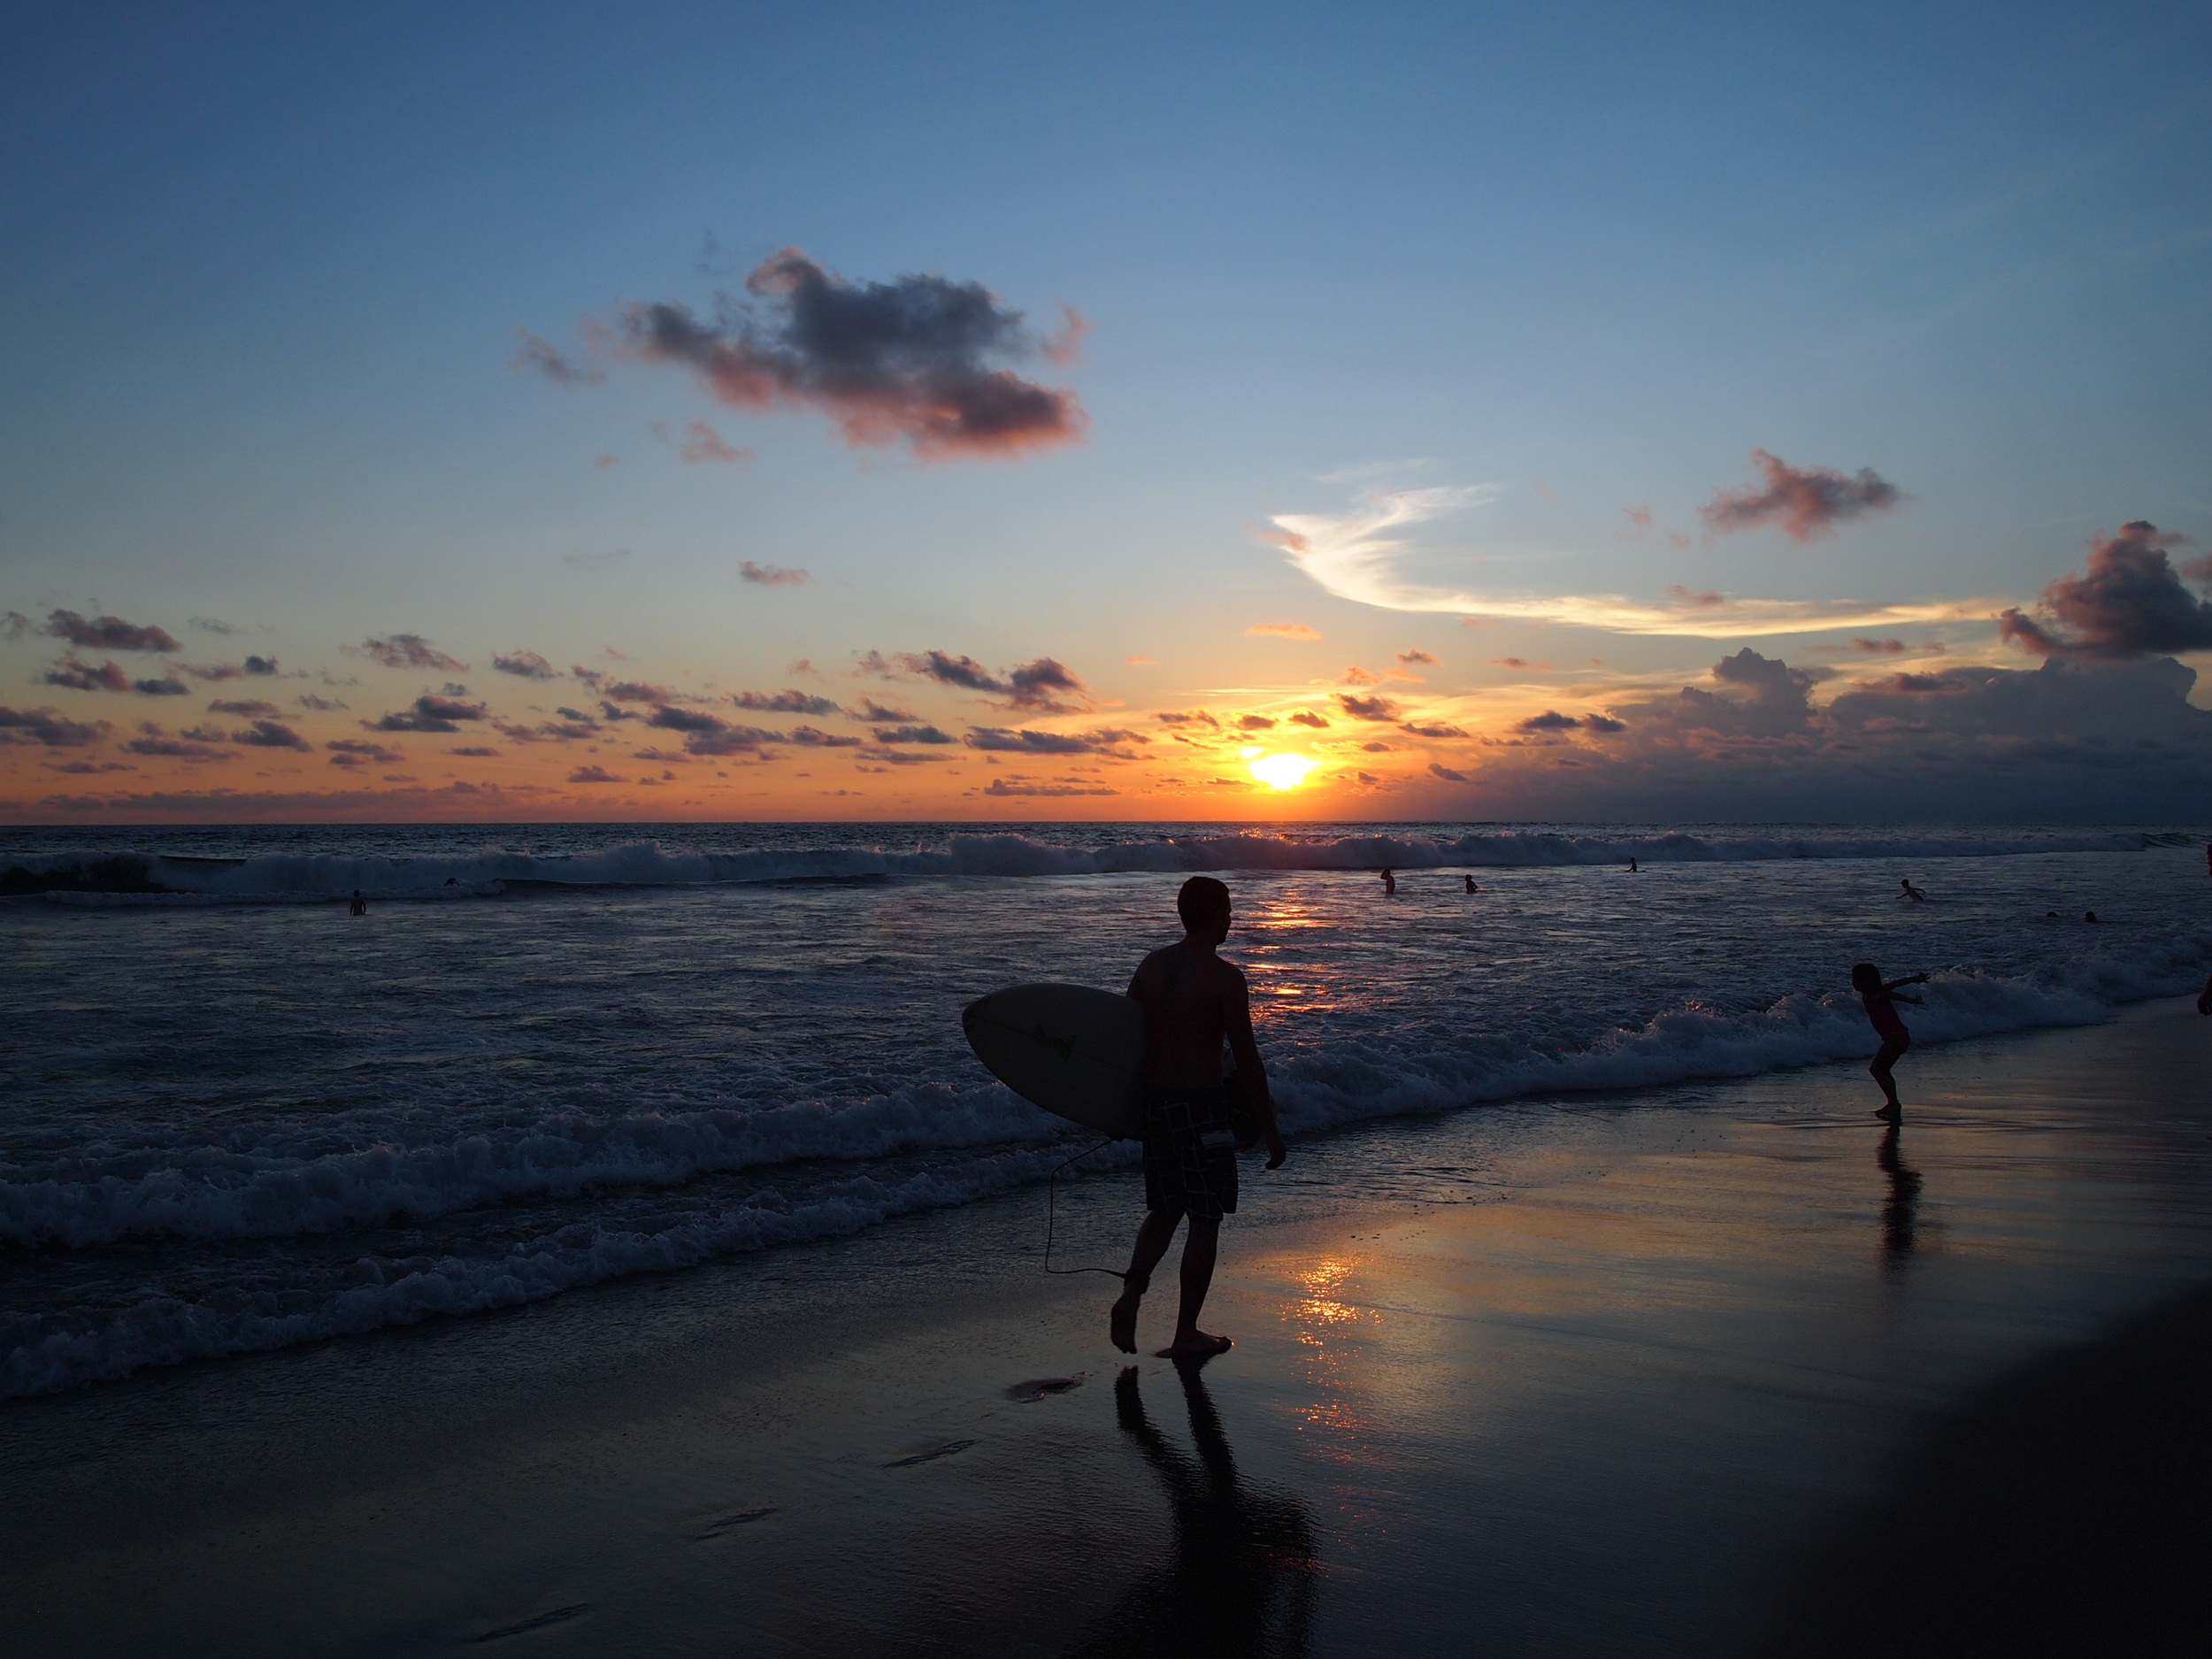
1122	1324
1197	1345
1893	1113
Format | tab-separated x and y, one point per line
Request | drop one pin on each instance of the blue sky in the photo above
264	275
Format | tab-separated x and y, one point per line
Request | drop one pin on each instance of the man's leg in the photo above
1153	1238
1200	1248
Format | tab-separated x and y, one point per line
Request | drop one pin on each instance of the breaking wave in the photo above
998	1142
111	876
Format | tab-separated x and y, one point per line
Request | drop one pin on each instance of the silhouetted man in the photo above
1193	1002
360	902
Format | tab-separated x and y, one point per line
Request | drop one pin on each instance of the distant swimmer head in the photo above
1866	978
1203	901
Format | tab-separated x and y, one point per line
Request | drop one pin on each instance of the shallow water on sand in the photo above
1615	1377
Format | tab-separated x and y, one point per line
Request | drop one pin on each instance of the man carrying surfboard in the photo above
1193	1002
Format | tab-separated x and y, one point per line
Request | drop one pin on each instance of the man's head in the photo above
1203	904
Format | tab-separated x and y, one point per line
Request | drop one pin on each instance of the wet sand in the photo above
1721	1369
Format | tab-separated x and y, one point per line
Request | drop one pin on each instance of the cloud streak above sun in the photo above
1359	555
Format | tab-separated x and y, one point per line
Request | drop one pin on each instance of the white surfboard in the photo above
1076	1052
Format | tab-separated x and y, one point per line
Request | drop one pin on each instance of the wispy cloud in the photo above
772	575
270	734
1368	471
538	356
263	667
597	561
998	738
429	714
352	752
77	676
1014	787
405	650
107	634
1367	708
1043	687
790	700
1357	555
1283	631
524	665
701	444
44	727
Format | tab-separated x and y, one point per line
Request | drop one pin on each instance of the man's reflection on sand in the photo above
1241	1580
1904	1198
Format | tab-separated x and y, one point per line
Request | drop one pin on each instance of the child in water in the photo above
1881	998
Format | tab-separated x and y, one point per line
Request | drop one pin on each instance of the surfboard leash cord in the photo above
1052	1182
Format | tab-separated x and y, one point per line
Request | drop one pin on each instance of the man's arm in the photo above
1136	979
1236	1009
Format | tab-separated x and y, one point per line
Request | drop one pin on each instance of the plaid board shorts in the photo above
1190	1152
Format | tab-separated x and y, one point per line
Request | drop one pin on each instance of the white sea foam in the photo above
127	876
365	1189
210	1192
206	1192
163	1330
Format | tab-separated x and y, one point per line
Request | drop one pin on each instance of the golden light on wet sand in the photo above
1280	771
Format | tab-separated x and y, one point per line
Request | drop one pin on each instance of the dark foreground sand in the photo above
1708	1371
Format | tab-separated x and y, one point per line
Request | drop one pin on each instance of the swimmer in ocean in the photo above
1912	892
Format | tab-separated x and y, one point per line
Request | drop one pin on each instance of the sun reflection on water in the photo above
1322	1317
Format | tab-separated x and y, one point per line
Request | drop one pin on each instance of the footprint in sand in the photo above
715	1529
1037	1388
555	1616
946	1450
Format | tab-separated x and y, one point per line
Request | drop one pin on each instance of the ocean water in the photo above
236	1117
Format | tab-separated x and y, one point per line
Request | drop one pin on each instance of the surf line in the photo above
1141	1282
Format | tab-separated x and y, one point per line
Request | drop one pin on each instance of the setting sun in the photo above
1281	771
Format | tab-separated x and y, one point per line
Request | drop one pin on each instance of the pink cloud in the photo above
107	634
2130	603
1807	503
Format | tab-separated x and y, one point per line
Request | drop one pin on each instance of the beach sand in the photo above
1710	1370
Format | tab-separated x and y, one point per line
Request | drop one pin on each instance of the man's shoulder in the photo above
1154	959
